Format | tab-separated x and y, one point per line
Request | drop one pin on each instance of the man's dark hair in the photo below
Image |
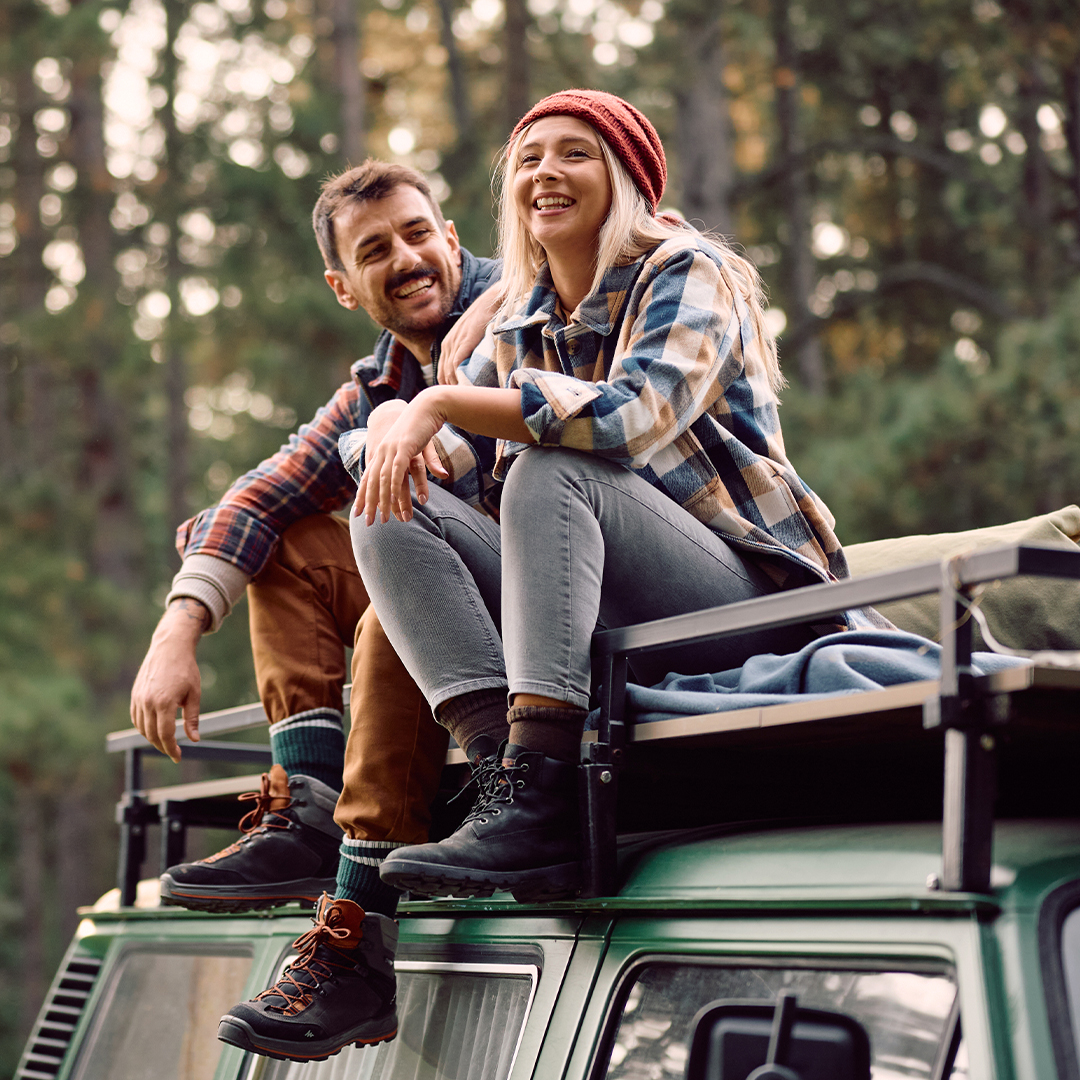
372	180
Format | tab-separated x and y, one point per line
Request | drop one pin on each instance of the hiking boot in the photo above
340	989
289	852
521	835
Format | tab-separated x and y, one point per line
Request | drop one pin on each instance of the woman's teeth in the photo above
547	202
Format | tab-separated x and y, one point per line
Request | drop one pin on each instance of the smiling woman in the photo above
629	383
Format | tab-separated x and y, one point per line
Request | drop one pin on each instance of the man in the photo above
388	251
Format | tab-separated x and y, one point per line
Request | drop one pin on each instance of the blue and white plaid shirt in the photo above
661	370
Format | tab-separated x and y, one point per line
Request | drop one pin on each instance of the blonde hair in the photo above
628	232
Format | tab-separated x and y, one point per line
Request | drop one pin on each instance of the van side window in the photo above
159	1012
1070	963
455	1020
905	1013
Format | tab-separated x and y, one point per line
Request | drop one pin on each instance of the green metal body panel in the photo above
828	895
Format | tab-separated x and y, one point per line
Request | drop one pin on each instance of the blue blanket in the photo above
845	663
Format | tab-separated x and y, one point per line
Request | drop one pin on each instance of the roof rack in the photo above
966	707
969	709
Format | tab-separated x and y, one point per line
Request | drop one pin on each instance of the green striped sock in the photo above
311	743
358	876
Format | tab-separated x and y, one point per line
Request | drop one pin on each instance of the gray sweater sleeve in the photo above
215	583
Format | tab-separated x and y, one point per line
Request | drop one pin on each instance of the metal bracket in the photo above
599	789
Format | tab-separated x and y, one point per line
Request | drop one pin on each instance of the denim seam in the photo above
671	524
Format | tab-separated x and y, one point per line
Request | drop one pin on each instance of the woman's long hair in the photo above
628	232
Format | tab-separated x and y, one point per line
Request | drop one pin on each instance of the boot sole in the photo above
235	898
541	884
239	1033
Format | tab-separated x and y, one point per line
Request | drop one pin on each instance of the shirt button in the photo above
573	347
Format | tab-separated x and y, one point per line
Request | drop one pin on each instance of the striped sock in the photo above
311	743
358	876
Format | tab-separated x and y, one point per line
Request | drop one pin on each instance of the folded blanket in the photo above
845	663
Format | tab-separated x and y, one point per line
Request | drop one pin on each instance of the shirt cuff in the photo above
216	583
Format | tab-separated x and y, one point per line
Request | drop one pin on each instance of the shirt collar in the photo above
598	311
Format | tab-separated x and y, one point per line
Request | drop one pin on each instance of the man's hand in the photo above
169	677
467	333
405	449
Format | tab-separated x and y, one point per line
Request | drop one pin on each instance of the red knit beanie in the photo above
631	137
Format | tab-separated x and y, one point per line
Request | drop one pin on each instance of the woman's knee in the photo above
541	476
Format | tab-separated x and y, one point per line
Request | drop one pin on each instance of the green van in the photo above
786	897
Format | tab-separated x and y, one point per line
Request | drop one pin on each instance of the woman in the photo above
631	385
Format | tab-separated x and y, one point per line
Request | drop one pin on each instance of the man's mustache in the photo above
404	278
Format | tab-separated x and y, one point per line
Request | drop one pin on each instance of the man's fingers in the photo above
166	741
191	716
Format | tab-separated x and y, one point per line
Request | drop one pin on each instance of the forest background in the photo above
906	173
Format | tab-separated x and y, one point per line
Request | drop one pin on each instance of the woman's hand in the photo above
400	449
467	333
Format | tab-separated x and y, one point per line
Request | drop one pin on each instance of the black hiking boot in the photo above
340	990
521	835
289	852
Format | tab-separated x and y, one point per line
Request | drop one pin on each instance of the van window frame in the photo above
113	970
820	962
1053	912
513	961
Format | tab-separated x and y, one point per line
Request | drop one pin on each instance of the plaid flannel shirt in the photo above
306	475
661	370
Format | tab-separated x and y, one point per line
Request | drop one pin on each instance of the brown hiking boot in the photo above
339	990
289	852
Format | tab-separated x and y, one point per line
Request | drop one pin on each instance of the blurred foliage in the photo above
164	325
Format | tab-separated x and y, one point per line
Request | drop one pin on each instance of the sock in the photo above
482	745
358	876
479	712
554	731
311	743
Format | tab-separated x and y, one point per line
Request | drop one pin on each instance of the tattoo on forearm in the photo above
194	609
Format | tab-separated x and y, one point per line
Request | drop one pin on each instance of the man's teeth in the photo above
414	287
546	202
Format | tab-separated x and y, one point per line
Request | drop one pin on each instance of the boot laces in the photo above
263	800
298	994
252	824
501	781
483	772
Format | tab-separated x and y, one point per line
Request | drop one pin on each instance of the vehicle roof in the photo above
829	863
783	868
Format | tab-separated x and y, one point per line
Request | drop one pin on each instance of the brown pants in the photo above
307	604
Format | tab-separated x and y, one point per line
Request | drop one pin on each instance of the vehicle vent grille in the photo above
64	1005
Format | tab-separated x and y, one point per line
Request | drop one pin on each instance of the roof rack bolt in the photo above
605	777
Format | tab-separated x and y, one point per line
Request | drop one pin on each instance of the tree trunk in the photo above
78	856
30	837
1036	208
798	258
459	86
31	281
177	436
104	466
348	78
1071	86
516	49
704	128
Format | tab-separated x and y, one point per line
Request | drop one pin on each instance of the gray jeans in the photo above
583	542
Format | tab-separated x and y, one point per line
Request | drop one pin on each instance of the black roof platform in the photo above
916	750
956	749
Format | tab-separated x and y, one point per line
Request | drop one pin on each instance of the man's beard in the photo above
406	326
